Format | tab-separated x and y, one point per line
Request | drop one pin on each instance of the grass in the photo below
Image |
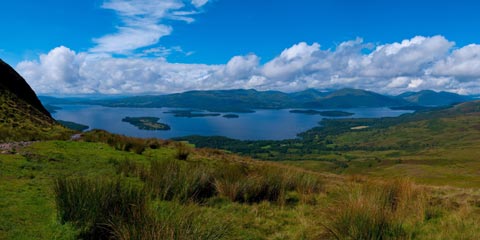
20	121
390	210
66	190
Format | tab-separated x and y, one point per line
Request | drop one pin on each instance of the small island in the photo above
146	123
73	125
230	116
324	113
191	113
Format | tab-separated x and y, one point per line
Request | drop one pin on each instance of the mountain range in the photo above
246	100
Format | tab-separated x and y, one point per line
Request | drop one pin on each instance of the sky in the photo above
132	47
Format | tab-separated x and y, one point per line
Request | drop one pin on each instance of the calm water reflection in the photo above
263	124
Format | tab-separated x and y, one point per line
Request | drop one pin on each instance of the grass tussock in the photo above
182	151
175	180
121	210
174	221
92	206
123	143
389	210
196	182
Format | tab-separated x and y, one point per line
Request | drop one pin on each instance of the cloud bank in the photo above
409	65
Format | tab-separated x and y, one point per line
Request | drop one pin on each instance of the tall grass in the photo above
182	151
175	180
119	210
388	210
195	182
265	184
123	143
92	205
174	221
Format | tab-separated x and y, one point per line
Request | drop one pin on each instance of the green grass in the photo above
20	121
210	195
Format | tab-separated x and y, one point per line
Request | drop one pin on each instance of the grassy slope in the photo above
439	147
27	201
20	121
28	207
441	151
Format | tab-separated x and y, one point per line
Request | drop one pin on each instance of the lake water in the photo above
261	125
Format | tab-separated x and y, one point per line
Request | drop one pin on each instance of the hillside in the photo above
12	82
432	98
107	186
22	115
429	146
352	98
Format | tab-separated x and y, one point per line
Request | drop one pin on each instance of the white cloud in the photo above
410	65
464	63
199	3
142	23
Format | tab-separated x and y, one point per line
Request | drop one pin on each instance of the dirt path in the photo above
6	148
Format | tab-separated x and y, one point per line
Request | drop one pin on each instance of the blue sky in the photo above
82	47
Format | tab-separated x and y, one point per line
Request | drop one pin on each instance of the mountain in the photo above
351	98
242	100
308	95
246	100
239	100
22	115
432	98
11	81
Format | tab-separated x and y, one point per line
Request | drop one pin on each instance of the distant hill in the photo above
247	100
432	98
241	100
351	98
308	95
22	115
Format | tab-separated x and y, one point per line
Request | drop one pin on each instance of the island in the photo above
191	113
324	113
73	125
146	123
230	116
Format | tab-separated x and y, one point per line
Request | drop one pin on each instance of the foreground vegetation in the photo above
98	188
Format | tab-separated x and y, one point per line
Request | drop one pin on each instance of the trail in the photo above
6	148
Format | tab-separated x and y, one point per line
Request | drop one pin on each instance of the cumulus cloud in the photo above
142	23
409	65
